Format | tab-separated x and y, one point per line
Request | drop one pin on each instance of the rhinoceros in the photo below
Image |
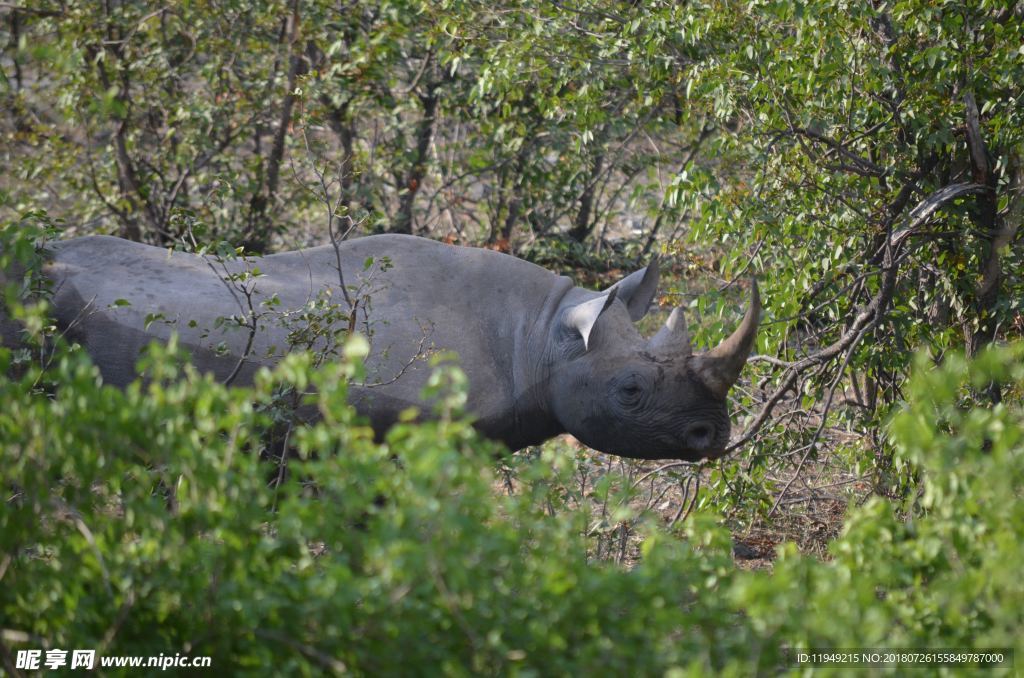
542	356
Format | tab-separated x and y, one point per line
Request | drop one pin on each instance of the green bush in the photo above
940	571
144	521
141	522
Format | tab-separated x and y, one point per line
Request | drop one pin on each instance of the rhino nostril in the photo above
699	435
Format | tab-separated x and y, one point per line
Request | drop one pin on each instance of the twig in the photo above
326	661
812	446
681	515
872	313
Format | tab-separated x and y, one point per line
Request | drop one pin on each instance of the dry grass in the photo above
810	515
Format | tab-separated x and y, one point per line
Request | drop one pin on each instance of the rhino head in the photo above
644	398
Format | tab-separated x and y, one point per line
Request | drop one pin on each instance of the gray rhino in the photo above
542	356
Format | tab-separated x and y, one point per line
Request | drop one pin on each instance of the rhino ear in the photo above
638	289
583	317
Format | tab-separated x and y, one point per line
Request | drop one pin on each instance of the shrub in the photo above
143	522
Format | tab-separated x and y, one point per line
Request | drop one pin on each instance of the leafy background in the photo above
863	159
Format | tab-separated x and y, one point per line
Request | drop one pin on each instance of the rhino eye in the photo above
630	392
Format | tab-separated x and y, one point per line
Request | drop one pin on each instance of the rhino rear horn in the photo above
673	338
637	289
721	366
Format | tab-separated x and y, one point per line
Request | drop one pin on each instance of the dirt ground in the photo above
809	514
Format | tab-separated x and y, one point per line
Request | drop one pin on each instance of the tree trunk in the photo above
583	226
260	226
413	179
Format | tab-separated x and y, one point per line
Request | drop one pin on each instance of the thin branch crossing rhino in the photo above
542	356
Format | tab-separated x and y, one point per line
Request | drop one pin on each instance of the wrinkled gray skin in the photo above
543	357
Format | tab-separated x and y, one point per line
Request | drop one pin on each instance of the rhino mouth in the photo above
686	454
696	443
670	450
705	439
710	455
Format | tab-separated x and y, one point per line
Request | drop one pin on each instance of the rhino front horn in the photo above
721	366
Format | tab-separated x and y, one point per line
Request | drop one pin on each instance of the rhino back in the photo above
492	309
416	297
